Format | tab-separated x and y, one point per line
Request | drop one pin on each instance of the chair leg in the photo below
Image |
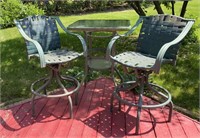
69	97
170	111
118	73
70	107
76	98
138	114
119	108
84	80
138	120
112	100
33	105
140	102
111	103
45	90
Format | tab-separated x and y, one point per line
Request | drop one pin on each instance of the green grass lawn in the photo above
17	72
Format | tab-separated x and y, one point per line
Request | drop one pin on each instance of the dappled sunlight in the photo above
92	117
182	80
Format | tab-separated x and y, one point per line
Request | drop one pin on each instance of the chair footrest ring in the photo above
133	84
47	81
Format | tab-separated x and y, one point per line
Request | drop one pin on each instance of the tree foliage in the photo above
15	9
58	7
137	6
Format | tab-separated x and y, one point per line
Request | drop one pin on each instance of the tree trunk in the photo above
173	12
158	7
142	13
137	7
134	7
183	10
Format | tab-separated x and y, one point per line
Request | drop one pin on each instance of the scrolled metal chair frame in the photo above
42	40
158	43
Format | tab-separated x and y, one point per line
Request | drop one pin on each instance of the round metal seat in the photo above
135	60
60	56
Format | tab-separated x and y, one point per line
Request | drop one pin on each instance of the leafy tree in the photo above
137	6
15	9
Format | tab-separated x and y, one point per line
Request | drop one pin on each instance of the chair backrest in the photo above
42	29
158	30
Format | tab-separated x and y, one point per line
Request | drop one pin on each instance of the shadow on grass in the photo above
16	72
182	80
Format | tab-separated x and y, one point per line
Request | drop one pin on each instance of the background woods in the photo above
11	9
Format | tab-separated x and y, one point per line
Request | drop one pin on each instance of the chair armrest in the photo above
166	46
77	35
36	44
135	26
113	40
110	46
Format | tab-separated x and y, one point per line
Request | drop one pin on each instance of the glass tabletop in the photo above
100	25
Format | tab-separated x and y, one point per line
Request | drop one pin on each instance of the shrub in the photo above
58	7
15	9
192	36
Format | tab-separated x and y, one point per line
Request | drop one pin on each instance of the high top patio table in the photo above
91	26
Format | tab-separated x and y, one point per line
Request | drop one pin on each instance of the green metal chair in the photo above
43	41
158	43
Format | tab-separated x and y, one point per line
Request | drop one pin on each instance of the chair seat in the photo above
60	56
135	60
